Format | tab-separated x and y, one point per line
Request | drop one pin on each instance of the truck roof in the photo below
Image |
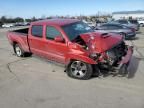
59	22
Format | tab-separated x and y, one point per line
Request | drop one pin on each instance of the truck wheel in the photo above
123	70
79	70
18	51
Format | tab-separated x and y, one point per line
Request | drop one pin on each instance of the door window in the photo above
52	32
37	31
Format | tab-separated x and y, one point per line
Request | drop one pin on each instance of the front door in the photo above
57	50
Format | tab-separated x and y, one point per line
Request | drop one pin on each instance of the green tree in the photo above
3	19
18	19
28	20
33	19
1	23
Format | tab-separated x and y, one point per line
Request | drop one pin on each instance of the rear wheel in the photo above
18	50
80	70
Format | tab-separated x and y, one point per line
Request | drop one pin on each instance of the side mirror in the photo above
59	39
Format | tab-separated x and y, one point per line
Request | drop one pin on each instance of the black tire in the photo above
28	54
123	70
96	71
18	51
23	53
80	73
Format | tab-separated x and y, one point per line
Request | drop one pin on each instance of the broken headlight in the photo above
94	56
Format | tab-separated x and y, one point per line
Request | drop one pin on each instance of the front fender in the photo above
82	58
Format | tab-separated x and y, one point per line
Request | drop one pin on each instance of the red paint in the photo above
102	43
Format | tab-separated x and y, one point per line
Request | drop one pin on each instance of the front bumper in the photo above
130	35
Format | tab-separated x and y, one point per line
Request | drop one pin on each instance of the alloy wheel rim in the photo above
18	51
78	69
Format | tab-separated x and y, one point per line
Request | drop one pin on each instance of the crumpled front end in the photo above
115	59
109	51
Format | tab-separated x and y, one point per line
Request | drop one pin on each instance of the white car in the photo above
7	25
141	22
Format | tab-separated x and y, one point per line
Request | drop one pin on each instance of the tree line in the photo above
4	20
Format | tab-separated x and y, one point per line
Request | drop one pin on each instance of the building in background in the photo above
128	14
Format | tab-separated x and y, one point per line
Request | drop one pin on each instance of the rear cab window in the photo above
37	31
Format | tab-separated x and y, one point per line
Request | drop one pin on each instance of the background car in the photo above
141	22
123	30
91	24
7	25
21	24
128	23
134	21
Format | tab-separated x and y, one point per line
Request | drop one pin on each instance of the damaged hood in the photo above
100	42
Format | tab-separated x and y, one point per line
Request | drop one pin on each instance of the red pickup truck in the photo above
73	43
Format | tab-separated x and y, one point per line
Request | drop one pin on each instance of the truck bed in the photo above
23	31
20	37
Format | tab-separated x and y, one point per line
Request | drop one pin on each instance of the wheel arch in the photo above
79	58
13	44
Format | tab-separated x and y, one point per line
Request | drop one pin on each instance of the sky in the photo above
39	8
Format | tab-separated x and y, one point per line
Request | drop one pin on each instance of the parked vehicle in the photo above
134	21
75	44
128	23
7	25
126	32
141	22
91	24
21	24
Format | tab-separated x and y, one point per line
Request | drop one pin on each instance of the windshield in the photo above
75	29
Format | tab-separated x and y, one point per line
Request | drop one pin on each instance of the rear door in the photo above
36	39
57	50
